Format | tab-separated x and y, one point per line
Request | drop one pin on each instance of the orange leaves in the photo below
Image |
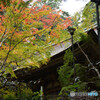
67	22
34	30
45	7
0	23
4	46
2	29
2	7
54	34
12	1
17	11
19	34
36	18
59	27
2	18
45	26
27	31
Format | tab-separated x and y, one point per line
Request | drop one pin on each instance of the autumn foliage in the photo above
25	32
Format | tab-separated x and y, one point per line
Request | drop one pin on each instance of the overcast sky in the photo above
73	6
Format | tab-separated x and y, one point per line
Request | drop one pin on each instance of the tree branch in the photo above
3	34
95	69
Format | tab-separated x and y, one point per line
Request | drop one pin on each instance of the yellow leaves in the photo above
10	70
25	28
33	63
15	51
59	27
37	24
2	30
9	8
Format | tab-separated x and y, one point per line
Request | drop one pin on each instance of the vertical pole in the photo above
41	88
98	23
73	58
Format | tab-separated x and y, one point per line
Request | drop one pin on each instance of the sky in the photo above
73	6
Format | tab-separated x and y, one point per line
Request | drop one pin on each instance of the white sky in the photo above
73	6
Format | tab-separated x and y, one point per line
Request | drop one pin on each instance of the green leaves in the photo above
66	75
28	32
66	71
88	16
9	70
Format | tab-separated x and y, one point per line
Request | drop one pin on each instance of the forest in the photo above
28	31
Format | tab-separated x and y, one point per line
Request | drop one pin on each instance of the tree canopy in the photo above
25	32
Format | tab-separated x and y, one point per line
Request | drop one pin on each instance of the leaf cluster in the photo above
15	90
84	77
26	34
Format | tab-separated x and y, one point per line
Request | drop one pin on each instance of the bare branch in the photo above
95	69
